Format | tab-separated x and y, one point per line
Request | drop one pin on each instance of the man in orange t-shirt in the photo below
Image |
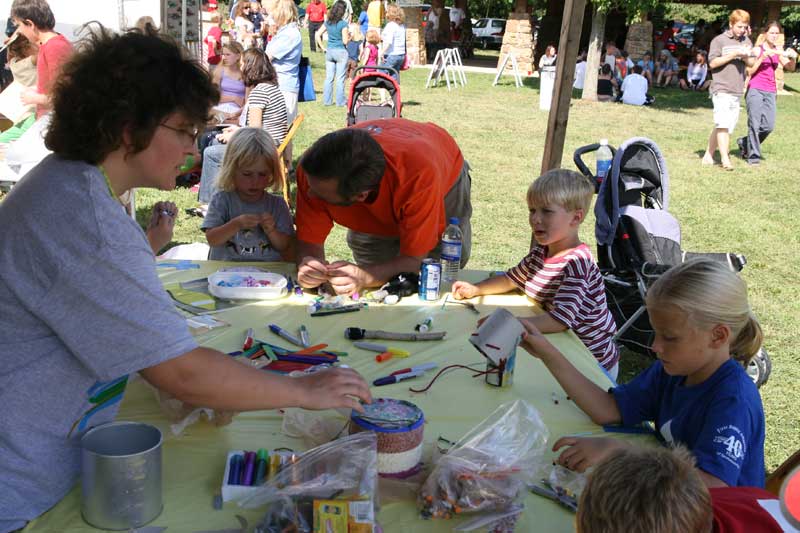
393	183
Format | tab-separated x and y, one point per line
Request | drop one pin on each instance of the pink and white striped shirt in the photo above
571	289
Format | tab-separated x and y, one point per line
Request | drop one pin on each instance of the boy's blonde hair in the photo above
244	148
566	188
738	15
395	13
645	490
373	37
710	293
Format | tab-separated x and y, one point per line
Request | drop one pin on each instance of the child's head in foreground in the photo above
645	490
698	308
251	164
558	201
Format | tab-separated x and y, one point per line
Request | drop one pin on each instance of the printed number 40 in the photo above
734	447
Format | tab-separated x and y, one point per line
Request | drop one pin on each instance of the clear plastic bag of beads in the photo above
344	469
488	469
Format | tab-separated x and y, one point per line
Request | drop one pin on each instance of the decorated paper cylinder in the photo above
399	425
497	340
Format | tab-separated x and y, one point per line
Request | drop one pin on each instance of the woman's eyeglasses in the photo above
189	135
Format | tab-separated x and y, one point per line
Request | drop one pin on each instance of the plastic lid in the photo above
603	142
453	220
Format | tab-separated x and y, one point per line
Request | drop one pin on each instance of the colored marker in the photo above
385	356
235	469
380	348
249	468
388	380
304	336
419	368
277	330
425	325
248	339
261	466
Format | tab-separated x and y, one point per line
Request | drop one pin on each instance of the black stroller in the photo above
638	240
373	94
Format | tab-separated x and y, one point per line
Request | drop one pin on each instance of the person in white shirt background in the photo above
634	88
696	74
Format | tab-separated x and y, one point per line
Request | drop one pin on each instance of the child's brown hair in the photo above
645	490
373	37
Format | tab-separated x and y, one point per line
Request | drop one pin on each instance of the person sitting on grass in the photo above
606	84
648	67
245	222
659	490
696	75
634	89
81	304
559	272
666	69
697	393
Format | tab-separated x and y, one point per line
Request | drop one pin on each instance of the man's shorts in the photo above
726	111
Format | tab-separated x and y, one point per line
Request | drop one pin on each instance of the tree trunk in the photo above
520	6
443	35
593	57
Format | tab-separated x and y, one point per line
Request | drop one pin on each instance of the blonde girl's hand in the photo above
267	222
247	221
586	452
463	290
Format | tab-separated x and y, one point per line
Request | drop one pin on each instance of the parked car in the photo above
489	32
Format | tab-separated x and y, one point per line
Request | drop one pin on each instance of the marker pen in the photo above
304	336
419	368
388	380
425	325
248	339
277	330
381	348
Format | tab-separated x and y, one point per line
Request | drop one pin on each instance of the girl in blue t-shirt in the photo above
697	393
245	222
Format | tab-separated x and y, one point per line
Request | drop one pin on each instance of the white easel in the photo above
447	63
514	68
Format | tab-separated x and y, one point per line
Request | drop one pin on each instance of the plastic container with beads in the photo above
399	426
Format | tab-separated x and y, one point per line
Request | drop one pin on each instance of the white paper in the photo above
10	104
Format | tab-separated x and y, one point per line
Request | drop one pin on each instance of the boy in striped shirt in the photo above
559	273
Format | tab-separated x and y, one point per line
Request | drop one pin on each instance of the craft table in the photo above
193	463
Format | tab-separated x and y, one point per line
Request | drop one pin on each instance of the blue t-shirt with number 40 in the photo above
720	420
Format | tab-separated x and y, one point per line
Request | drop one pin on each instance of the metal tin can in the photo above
430	277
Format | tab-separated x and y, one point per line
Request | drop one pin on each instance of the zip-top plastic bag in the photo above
490	467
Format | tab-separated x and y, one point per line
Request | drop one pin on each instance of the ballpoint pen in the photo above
277	330
423	368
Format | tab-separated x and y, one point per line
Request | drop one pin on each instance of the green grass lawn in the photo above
502	132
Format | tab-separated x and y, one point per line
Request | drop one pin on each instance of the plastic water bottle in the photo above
451	253
604	158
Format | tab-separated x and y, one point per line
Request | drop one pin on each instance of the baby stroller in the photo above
373	94
638	240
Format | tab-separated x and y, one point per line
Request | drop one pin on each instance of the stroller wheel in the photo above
760	367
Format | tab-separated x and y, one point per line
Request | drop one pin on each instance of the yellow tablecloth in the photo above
193	463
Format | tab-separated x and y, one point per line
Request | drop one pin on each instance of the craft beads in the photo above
246	281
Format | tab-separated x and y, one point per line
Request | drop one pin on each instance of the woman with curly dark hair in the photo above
81	304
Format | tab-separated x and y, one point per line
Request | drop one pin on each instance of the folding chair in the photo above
286	140
776	479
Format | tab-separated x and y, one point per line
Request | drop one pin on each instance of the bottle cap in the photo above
385	356
453	220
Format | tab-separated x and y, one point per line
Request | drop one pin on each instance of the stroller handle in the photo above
389	70
578	159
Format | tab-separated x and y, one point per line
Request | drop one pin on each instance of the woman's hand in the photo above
334	388
463	290
161	225
226	134
585	452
